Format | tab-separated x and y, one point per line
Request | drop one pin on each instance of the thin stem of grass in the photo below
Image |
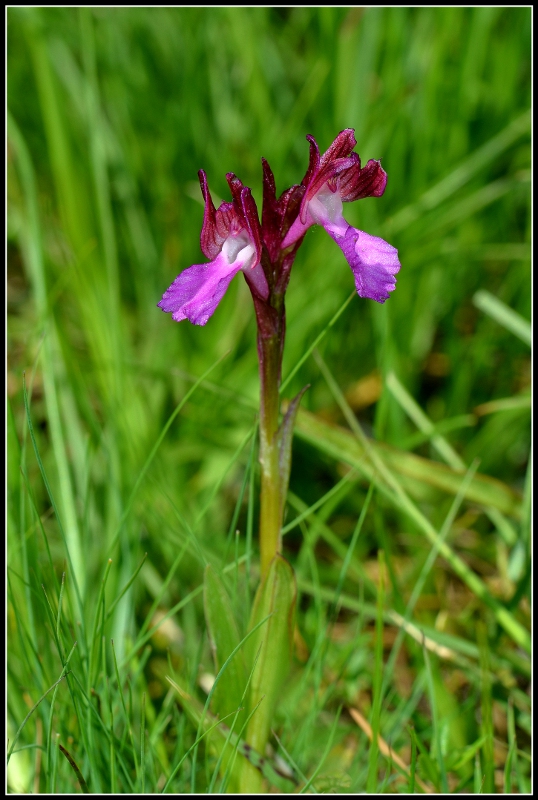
143	744
439	755
127	717
371	783
413	766
29	714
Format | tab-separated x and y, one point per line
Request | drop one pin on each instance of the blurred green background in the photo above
111	114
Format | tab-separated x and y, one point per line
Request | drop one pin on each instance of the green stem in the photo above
269	349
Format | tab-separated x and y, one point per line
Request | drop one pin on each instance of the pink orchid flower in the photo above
231	237
332	179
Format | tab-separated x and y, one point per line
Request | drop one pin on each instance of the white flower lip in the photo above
238	248
326	208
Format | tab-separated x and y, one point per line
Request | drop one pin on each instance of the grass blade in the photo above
504	315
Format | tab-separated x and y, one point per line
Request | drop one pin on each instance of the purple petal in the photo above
337	158
298	228
197	291
341	147
329	171
255	277
357	183
373	261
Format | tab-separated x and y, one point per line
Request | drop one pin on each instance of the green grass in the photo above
132	461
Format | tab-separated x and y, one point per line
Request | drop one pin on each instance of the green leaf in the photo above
206	723
504	315
224	638
270	647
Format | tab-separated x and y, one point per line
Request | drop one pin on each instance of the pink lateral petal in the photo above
357	183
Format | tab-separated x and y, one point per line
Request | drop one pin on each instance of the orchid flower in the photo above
334	178
231	238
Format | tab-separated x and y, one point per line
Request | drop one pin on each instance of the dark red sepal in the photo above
213	234
357	183
250	215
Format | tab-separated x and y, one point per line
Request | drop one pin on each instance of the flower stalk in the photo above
270	349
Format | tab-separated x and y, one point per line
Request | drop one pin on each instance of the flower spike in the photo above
234	241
